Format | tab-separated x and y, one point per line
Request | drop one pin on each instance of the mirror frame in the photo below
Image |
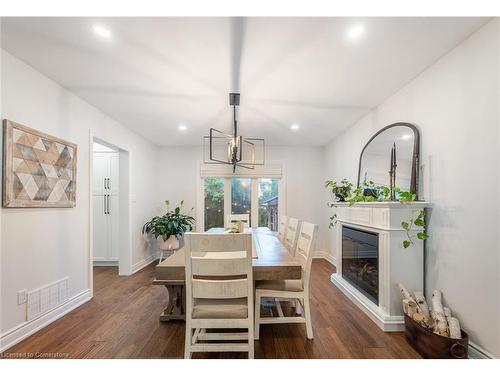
415	158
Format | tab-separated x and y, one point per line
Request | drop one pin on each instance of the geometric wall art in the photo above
39	170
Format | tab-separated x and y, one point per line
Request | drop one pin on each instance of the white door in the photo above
113	218
101	172
101	236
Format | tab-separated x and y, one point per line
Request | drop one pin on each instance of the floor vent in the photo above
46	298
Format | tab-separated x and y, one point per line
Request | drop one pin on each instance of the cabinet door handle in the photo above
104	183
108	205
109	183
104	197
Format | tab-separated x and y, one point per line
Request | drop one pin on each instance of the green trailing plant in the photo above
369	192
418	222
173	223
339	190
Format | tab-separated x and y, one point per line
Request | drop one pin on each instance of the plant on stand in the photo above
170	226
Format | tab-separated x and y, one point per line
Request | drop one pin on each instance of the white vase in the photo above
171	243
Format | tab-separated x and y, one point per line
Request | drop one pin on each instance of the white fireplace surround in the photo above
396	264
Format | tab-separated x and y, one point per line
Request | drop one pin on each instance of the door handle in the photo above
104	197
108	205
109	183
104	183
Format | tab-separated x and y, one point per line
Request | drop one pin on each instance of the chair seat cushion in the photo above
282	285
232	308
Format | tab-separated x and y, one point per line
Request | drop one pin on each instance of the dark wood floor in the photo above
121	321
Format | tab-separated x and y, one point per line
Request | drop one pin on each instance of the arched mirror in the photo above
376	157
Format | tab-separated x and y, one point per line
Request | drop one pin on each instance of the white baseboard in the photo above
26	329
143	263
476	352
327	256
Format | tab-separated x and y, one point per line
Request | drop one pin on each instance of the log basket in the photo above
433	346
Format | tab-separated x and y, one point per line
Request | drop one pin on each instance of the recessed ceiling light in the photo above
295	127
102	31
182	127
356	31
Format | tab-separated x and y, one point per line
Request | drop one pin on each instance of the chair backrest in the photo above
282	227
244	218
218	266
306	245
291	234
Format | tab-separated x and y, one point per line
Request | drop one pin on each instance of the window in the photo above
256	197
241	196
268	203
214	203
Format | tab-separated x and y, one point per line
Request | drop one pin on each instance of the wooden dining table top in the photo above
272	261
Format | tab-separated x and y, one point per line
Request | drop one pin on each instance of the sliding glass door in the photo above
256	197
214	203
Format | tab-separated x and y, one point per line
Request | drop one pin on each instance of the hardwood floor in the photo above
121	321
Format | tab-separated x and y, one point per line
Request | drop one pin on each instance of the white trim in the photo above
26	329
143	263
326	256
476	352
387	323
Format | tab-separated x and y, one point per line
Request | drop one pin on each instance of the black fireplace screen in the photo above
360	261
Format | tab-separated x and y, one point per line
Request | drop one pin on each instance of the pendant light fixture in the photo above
239	151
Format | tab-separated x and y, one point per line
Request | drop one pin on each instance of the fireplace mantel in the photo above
396	264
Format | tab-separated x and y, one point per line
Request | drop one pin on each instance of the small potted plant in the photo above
170	226
340	191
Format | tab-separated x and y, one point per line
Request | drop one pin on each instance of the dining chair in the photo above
291	235
297	290
282	228
219	293
245	218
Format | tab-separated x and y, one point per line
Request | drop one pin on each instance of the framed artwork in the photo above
39	170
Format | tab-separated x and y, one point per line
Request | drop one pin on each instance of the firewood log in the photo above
454	327
420	319
441	327
412	308
405	306
404	292
420	299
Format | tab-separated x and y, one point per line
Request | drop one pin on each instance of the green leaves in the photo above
340	189
419	222
369	192
173	223
422	236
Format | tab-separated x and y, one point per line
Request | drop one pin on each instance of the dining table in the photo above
271	261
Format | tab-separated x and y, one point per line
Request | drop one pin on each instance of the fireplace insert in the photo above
360	261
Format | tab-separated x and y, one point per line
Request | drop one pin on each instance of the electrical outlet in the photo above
21	297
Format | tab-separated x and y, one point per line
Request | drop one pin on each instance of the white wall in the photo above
41	245
303	175
455	103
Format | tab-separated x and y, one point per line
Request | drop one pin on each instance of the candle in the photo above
395	163
392	159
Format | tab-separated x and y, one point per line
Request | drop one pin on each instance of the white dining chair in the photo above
282	227
244	218
291	235
219	293
297	290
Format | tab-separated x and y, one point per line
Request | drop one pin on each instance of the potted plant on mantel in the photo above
170	226
340	190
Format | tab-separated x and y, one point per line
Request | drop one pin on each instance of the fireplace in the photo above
360	261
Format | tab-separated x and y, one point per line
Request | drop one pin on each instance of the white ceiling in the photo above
156	73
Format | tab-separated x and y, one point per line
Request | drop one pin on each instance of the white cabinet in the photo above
106	206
